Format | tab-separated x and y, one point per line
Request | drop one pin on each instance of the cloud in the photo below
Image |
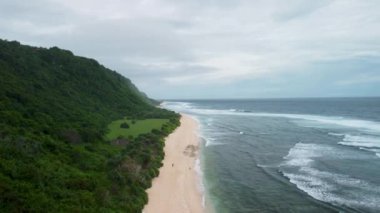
359	79
189	43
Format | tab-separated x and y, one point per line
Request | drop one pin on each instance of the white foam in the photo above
359	144
366	125
212	142
361	141
177	106
370	150
327	186
302	154
316	184
318	121
369	143
336	134
370	126
201	186
268	166
209	141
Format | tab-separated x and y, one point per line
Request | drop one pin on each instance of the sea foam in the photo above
369	126
366	141
331	187
369	143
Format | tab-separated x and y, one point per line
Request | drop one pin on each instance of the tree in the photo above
124	125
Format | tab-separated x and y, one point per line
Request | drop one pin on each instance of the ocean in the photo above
289	155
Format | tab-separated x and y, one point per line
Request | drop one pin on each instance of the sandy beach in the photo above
177	189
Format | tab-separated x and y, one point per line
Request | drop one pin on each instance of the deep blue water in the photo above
289	155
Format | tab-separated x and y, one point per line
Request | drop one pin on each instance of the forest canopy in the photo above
54	111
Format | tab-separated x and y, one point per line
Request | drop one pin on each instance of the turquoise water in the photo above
289	155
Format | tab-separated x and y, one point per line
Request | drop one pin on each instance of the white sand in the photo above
176	189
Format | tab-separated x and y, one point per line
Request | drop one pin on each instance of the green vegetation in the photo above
124	125
134	128
54	111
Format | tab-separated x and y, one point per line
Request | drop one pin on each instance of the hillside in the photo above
54	111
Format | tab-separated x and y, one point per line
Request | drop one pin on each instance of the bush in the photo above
124	125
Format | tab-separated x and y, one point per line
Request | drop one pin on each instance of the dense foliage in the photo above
54	112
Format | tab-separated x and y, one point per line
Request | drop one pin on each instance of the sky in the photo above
189	49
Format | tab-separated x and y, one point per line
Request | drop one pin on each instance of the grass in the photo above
135	129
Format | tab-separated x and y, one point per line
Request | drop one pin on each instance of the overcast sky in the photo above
214	48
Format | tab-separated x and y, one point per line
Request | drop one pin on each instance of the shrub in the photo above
124	125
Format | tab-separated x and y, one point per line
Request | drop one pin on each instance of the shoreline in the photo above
178	186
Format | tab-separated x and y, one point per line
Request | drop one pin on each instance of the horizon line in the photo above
269	98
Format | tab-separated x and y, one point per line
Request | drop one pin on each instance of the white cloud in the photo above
359	79
199	42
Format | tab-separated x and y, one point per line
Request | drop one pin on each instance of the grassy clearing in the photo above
135	129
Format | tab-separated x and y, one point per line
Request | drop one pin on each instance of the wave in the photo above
329	187
303	154
335	188
361	141
376	151
201	186
336	134
212	142
267	166
177	106
369	143
366	125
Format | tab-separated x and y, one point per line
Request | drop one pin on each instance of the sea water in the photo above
289	155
